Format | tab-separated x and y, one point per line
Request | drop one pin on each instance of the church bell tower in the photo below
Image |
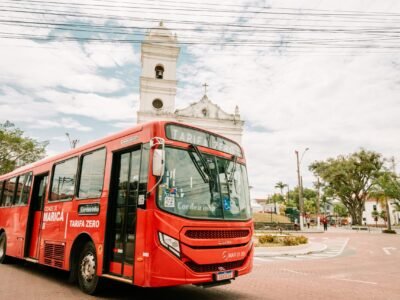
158	78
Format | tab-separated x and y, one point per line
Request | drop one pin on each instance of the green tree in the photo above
280	185
375	214
350	178
396	204
340	210
310	206
16	149
387	186
325	201
383	216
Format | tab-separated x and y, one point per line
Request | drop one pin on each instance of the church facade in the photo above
158	86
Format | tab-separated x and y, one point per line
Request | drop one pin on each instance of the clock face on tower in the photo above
157	104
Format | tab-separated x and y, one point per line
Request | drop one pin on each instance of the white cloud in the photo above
92	105
67	123
333	101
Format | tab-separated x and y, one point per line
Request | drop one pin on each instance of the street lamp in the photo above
72	143
300	184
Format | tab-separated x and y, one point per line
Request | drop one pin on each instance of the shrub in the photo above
264	239
302	239
389	231
290	241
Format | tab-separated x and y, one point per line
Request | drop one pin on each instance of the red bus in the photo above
160	204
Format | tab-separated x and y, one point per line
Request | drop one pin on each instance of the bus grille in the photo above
217	234
215	267
54	254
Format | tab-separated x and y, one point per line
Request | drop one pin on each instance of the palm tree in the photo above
386	187
375	214
280	185
396	204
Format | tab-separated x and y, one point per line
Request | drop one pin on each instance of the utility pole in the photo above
300	191
389	222
318	201
299	179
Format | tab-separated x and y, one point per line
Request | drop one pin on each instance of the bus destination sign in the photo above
201	138
91	209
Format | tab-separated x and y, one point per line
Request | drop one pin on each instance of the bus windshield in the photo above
199	185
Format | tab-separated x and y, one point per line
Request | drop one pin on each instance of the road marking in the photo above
343	247
263	259
387	250
335	247
356	281
285	257
295	272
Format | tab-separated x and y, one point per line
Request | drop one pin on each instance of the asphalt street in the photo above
355	265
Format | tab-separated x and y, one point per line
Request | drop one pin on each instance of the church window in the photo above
205	112
159	71
157	103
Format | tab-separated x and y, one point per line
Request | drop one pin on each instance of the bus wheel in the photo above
87	269
3	247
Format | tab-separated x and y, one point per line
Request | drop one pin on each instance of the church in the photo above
158	86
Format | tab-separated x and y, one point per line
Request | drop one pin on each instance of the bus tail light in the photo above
170	243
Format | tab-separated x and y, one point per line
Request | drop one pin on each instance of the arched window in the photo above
159	71
205	112
157	103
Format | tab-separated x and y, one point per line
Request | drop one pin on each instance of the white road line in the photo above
295	272
386	250
343	247
322	256
285	257
263	259
304	256
354	280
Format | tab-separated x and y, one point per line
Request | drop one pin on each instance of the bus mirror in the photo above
158	162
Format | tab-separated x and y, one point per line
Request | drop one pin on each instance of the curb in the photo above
291	252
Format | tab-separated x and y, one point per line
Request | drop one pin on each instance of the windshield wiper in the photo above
205	172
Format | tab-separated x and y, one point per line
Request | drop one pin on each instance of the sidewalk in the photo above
309	248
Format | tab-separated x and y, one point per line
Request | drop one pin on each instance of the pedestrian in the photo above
308	223
325	222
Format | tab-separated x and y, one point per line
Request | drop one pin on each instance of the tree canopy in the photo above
350	178
16	149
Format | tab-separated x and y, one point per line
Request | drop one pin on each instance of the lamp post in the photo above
300	186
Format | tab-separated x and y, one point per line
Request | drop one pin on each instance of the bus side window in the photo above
9	189
63	182
1	193
24	187
92	174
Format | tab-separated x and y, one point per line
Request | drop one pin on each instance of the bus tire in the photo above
87	269
3	247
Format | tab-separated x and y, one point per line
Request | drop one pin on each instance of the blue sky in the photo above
318	74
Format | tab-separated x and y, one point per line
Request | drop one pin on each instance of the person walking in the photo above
325	222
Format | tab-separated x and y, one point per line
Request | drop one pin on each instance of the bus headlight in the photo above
170	243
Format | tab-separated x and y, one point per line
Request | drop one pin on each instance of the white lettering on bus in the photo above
84	223
54	216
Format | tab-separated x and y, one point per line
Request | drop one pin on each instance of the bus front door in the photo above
123	202
35	216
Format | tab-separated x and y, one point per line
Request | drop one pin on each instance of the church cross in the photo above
205	88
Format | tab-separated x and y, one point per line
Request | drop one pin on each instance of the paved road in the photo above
334	247
355	266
